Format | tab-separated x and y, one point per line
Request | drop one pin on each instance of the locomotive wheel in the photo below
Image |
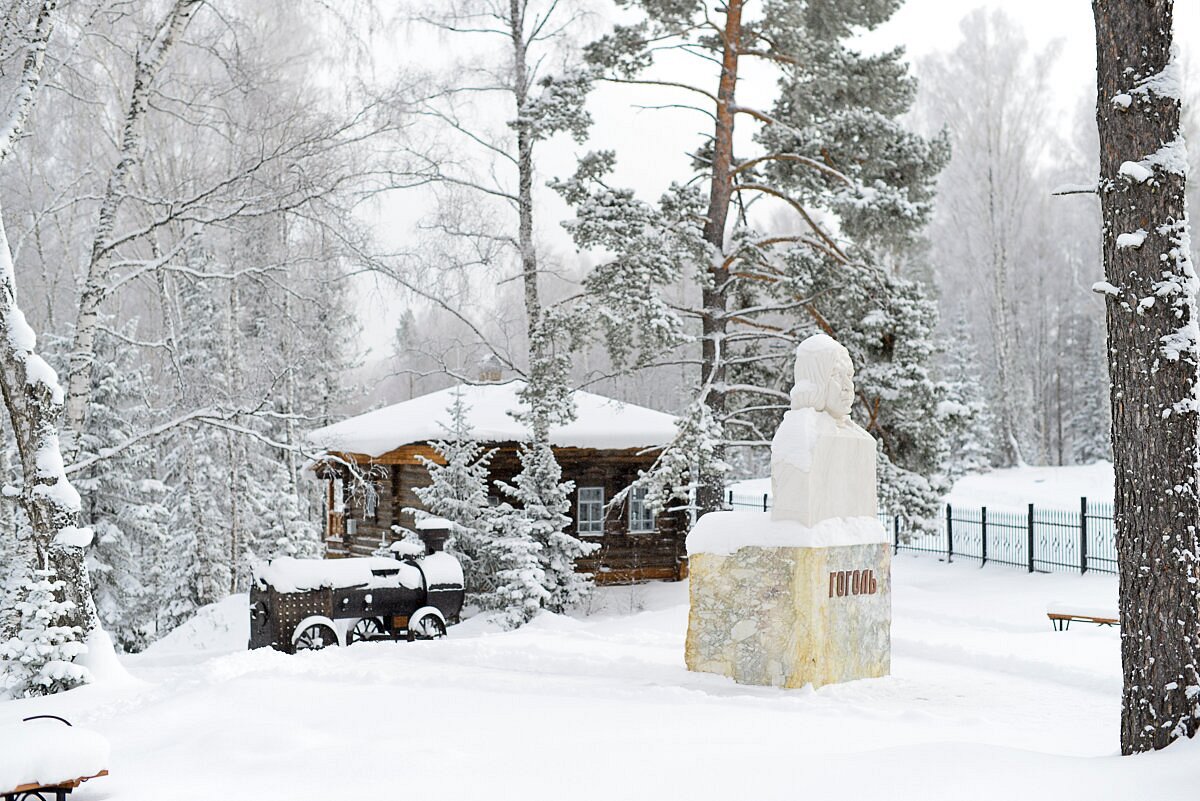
315	637
428	627
365	628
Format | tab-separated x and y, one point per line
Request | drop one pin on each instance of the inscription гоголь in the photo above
852	582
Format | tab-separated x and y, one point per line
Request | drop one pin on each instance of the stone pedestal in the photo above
802	594
787	617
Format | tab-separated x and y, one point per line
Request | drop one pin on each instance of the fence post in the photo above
1031	538
949	535
983	534
731	497
1083	535
765	496
896	528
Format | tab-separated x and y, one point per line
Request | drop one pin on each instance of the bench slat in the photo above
1082	618
67	785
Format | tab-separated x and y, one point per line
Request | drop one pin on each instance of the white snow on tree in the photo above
855	188
458	492
672	480
38	660
539	498
519	591
540	515
283	527
963	411
123	498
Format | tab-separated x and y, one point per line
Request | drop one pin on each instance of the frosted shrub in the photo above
38	659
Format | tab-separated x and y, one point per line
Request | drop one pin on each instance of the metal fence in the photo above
1040	539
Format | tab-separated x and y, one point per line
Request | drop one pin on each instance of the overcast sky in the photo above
652	145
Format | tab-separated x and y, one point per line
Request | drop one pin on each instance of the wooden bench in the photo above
31	752
1062	615
30	792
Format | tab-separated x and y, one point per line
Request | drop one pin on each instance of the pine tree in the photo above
963	412
39	659
518	592
124	498
830	148
458	492
1090	413
542	501
281	526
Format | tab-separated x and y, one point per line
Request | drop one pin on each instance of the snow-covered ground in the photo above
1057	487
1014	488
985	701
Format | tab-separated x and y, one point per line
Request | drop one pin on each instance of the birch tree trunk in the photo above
150	60
1152	334
529	264
34	401
30	387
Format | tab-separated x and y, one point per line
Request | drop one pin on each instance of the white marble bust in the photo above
822	462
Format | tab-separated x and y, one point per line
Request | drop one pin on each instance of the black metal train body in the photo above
307	604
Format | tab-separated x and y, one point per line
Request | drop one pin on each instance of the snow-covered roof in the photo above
600	422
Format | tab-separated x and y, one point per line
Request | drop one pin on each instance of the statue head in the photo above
824	377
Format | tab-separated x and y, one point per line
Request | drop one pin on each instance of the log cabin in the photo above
600	451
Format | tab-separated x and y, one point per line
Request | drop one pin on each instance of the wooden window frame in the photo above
579	521
634	503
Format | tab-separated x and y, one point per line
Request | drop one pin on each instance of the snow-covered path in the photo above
985	702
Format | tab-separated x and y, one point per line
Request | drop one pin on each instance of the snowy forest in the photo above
233	223
654	381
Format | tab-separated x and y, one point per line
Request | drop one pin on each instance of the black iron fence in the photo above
1040	538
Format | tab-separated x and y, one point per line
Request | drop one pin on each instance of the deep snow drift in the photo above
985	702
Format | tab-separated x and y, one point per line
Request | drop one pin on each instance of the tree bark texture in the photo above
1153	363
529	262
715	294
30	388
34	403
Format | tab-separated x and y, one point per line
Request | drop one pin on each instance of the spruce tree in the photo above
856	188
518	590
39	658
123	495
542	501
458	492
963	412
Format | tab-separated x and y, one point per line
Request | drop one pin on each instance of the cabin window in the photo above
590	517
339	495
641	516
371	501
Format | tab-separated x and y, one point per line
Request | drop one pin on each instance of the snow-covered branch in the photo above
31	75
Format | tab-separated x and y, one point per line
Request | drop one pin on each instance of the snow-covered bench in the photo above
1062	615
44	757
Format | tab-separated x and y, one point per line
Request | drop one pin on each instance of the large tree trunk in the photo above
1152	335
30	388
34	402
711	494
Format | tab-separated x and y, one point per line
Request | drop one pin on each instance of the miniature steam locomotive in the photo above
308	604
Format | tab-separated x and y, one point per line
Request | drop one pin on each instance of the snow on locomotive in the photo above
308	604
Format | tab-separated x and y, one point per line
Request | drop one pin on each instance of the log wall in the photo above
622	558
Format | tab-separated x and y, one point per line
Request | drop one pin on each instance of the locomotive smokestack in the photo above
434	531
